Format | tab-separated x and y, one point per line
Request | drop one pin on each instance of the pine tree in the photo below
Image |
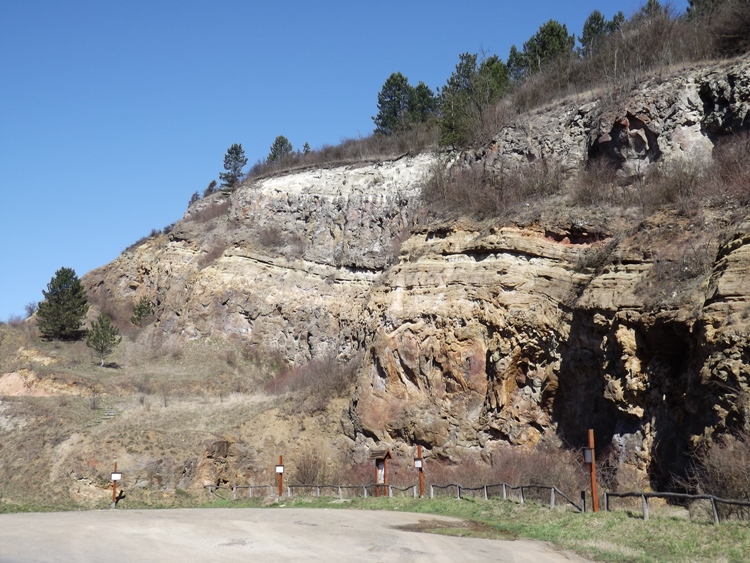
103	337
234	161
61	313
468	97
393	105
141	310
280	149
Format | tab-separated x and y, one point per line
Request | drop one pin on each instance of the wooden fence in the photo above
486	492
644	496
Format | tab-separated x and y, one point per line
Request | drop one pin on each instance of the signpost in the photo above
115	477
590	458
419	465
280	473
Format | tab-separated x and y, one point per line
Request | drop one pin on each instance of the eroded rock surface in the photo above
479	337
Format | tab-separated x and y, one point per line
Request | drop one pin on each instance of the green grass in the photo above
616	536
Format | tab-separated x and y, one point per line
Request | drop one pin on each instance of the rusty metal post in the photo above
281	477
114	489
594	492
421	472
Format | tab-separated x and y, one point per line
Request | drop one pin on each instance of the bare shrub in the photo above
721	469
317	381
553	467
730	171
211	212
310	468
476	192
212	253
597	184
729	26
15	321
597	257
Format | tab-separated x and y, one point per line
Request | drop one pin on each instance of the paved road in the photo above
241	534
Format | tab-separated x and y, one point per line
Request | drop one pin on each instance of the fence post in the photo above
414	488
583	501
390	491
288	492
234	492
606	501
485	492
340	496
552	497
505	493
458	492
250	492
317	491
432	492
522	499
715	509
644	502
364	490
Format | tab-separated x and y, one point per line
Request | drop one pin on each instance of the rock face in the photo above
479	337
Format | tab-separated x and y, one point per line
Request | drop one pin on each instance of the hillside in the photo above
325	312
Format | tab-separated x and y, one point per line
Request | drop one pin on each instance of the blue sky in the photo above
113	113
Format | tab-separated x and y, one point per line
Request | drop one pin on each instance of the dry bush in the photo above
317	382
371	147
212	253
310	468
597	184
476	192
211	212
730	171
729	27
596	258
722	470
515	466
643	46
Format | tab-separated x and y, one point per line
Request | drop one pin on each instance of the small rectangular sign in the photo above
418	463
279	469
116	476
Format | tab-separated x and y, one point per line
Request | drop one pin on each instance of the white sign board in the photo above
418	463
116	476
279	469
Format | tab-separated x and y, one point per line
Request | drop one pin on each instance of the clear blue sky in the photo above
112	113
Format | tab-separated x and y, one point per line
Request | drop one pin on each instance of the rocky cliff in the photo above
475	335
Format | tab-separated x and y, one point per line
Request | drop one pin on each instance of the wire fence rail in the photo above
520	493
644	496
349	491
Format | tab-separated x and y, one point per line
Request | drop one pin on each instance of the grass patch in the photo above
615	536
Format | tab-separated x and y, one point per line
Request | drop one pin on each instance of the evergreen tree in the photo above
422	103
280	149
141	311
65	305
468	96
548	43
306	148
393	105
234	162
211	188
103	337
516	64
595	29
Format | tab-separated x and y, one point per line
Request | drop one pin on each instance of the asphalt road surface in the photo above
246	534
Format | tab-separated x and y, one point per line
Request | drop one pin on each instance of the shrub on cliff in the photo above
721	469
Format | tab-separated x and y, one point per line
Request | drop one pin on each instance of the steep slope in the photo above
479	336
471	335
